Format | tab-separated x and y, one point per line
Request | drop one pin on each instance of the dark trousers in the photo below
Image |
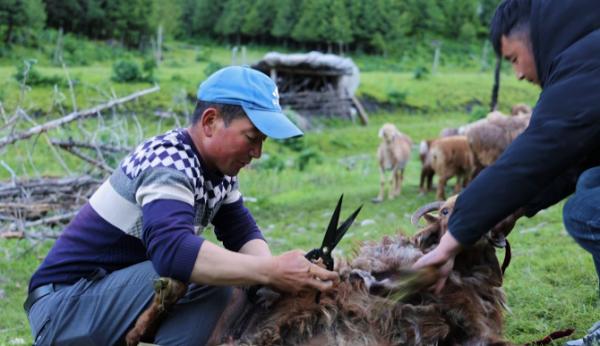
581	214
100	311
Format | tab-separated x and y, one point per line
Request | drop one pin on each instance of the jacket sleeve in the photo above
564	128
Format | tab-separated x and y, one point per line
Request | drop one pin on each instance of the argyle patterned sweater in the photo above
153	207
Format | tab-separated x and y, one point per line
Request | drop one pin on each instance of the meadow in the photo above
293	188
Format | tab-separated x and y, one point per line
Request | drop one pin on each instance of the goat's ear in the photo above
430	219
380	133
428	237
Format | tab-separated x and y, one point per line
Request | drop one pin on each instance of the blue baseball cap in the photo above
256	93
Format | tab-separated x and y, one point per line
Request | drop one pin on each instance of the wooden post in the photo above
436	57
484	56
364	117
158	48
234	55
58	51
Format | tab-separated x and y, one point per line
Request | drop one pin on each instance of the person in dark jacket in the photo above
556	45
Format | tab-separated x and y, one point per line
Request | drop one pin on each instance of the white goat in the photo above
393	154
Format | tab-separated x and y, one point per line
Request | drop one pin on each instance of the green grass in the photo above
551	283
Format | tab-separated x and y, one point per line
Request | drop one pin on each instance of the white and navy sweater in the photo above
152	207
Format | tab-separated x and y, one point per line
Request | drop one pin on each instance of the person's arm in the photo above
256	247
290	272
562	186
235	227
559	136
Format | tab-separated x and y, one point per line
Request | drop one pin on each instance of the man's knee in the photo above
589	179
571	218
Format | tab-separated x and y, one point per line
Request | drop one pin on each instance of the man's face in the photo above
517	50
236	145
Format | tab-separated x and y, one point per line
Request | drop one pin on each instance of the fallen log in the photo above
72	117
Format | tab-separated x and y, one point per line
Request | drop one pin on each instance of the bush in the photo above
203	54
420	72
478	112
211	68
28	74
397	98
126	71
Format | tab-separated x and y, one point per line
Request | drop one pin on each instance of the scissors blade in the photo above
344	227
331	233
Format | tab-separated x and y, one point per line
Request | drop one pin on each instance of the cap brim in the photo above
273	124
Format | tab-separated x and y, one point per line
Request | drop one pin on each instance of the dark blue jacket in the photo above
563	138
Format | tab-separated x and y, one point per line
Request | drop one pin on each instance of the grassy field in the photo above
551	284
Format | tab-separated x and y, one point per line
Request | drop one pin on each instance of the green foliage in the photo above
21	20
29	75
203	54
389	27
259	19
397	98
199	17
421	72
286	16
212	67
126	71
478	112
231	21
312	26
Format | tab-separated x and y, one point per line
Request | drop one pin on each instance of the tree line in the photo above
362	25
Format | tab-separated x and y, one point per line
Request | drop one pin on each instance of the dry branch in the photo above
102	165
71	143
46	186
50	220
71	117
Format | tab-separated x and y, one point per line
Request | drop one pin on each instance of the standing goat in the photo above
489	137
393	154
451	157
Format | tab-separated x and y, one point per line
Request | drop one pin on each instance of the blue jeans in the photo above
581	214
100	311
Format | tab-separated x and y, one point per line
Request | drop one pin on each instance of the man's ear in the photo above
209	121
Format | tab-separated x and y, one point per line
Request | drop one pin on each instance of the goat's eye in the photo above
444	211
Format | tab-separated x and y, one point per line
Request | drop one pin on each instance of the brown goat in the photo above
449	157
489	137
393	154
381	301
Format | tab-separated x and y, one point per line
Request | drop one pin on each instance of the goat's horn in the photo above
414	219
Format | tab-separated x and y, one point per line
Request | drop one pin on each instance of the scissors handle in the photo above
315	254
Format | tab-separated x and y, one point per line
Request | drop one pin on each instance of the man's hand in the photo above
441	257
292	272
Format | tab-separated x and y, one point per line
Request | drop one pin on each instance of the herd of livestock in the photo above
458	152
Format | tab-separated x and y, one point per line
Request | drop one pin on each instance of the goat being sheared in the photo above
381	301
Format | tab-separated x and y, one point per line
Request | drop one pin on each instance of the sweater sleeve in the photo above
167	201
235	226
560	134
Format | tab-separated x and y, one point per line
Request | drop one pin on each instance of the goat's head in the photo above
430	236
388	132
424	147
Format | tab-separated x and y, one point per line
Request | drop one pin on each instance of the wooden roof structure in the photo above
315	84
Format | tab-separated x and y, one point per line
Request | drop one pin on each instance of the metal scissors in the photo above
332	237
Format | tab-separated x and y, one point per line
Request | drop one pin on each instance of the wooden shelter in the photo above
315	84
